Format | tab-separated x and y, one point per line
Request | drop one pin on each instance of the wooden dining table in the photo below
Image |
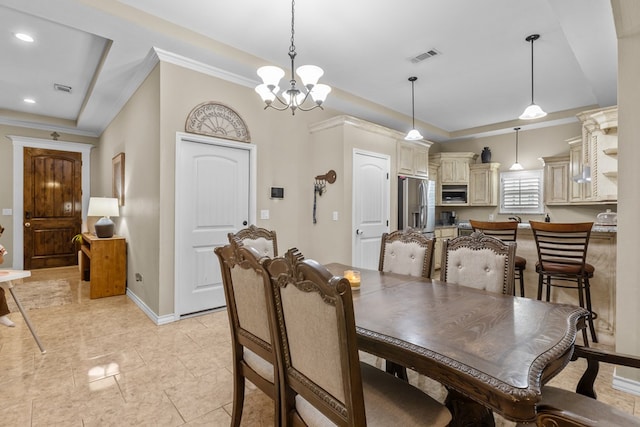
492	352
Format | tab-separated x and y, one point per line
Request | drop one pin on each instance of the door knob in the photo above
359	232
27	224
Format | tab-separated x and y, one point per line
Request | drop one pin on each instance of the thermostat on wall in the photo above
277	193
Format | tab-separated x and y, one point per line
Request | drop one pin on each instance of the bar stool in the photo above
562	254
507	232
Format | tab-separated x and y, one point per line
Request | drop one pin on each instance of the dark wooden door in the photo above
52	207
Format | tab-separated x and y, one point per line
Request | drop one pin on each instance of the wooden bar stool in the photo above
562	255
506	231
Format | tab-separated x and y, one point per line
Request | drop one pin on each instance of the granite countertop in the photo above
526	226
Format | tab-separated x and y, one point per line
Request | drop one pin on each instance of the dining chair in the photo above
560	407
248	293
323	381
562	257
506	231
479	261
262	240
405	252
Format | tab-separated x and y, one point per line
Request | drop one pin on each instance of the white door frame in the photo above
253	156
21	142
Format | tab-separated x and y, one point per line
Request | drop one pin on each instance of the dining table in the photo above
7	279
492	352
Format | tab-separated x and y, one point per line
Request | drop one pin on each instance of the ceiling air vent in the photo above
62	88
428	54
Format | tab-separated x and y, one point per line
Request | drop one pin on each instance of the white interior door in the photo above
213	198
371	206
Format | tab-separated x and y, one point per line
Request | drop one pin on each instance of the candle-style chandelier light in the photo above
293	98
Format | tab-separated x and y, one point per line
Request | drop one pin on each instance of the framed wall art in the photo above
118	178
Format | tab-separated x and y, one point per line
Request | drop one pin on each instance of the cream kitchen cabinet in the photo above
442	233
454	167
413	159
483	184
579	192
556	180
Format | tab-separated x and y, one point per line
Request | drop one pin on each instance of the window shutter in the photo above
521	192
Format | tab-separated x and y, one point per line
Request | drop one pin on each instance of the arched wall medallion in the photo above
215	119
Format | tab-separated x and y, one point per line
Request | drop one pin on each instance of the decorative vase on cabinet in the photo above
486	155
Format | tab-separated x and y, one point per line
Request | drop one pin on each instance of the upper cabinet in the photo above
600	129
483	184
413	158
590	173
454	167
556	180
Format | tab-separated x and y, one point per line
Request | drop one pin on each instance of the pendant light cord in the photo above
532	39
516	129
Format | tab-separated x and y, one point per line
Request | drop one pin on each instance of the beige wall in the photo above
6	173
136	132
627	16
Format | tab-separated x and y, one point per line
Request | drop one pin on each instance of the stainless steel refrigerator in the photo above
416	204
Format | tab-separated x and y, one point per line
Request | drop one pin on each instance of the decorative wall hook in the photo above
319	187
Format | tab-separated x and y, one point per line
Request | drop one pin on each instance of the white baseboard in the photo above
158	320
625	384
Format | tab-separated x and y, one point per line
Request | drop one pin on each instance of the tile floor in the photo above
107	364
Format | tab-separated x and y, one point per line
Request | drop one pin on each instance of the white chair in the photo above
479	261
262	240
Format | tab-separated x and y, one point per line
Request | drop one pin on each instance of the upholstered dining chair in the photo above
262	240
405	252
323	381
507	231
479	261
562	258
249	297
560	407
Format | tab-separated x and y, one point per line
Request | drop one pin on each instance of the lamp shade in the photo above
103	206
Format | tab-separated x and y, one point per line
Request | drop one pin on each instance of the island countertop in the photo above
465	225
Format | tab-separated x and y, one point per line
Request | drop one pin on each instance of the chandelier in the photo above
516	166
533	111
294	98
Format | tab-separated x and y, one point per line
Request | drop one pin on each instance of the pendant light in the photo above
516	166
413	134
533	111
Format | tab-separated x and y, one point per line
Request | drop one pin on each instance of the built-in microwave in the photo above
454	194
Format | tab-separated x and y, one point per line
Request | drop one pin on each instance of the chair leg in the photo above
396	370
238	399
540	282
548	288
521	277
587	292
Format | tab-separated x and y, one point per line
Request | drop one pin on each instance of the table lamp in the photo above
104	207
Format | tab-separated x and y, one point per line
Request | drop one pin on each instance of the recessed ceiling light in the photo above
24	37
29	100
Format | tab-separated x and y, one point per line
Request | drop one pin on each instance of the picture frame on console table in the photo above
118	178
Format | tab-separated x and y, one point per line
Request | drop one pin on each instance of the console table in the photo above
103	262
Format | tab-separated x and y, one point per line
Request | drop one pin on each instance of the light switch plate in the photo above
335	215
7	212
264	214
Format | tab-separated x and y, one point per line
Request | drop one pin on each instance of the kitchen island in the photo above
601	254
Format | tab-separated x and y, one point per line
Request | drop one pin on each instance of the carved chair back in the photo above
506	231
249	297
262	240
406	252
479	261
323	381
